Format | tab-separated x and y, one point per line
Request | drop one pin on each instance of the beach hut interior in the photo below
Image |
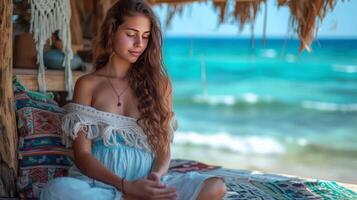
42	55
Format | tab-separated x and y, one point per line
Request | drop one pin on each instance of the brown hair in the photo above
147	76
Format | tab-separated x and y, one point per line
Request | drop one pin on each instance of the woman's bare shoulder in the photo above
83	90
90	78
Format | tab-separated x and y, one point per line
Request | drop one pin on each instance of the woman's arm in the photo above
161	166
82	147
90	166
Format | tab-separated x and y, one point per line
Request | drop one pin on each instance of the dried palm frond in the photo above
282	2
305	13
172	10
246	10
221	6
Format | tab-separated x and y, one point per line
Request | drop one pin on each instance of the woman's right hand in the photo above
149	189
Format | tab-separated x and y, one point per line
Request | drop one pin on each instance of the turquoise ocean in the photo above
266	108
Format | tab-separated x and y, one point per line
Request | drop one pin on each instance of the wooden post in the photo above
101	9
8	135
76	31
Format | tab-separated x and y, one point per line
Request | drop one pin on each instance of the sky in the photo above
204	22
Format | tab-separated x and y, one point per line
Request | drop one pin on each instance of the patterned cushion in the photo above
42	155
247	185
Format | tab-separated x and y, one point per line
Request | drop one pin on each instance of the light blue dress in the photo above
121	145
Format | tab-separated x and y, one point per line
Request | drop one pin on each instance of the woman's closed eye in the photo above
133	35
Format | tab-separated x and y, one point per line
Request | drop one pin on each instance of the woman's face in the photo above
132	37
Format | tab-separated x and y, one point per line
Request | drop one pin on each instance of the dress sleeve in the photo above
73	122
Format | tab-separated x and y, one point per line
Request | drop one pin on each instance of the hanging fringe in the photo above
46	18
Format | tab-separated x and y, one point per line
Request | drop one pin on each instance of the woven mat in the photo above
244	184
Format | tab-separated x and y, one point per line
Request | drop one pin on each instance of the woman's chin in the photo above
132	59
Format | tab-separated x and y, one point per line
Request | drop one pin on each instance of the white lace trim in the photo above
108	126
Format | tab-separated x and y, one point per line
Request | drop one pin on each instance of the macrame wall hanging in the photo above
48	16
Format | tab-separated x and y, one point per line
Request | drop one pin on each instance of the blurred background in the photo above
267	107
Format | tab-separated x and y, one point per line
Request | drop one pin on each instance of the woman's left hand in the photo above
154	176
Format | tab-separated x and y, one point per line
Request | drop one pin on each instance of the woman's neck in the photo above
118	67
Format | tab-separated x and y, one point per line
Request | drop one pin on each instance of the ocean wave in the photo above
327	106
291	58
251	100
269	53
345	68
262	145
215	100
230	100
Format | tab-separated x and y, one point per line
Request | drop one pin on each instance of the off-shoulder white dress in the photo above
121	145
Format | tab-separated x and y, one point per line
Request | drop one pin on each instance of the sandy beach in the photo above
269	164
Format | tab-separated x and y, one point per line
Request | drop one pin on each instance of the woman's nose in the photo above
138	42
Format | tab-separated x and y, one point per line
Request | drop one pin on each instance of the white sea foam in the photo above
290	58
214	100
250	98
296	141
326	106
245	145
345	68
302	142
227	100
269	53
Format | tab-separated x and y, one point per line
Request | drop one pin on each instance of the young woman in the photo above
121	119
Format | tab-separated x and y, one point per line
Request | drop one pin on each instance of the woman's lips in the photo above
135	53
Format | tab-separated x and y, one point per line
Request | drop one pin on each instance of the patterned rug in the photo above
244	185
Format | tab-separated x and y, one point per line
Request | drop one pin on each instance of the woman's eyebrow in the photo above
133	29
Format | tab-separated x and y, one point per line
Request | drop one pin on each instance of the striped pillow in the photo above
42	155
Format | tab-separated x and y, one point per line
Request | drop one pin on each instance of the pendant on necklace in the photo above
119	104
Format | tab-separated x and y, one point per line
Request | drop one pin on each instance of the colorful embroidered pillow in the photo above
42	155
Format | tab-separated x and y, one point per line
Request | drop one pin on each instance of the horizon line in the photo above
256	37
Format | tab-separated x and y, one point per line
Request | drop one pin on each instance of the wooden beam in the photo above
54	79
8	134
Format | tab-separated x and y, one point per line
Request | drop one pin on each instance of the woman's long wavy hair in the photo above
147	76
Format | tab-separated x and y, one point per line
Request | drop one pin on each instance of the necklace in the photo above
122	92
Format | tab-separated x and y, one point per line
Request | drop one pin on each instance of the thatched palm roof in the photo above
304	13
